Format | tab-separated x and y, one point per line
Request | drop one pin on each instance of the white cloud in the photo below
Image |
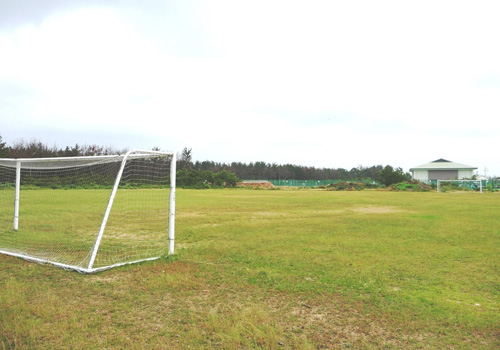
322	83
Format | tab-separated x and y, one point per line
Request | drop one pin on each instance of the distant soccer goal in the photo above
88	213
467	185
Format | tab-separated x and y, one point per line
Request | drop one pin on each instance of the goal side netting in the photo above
88	213
459	185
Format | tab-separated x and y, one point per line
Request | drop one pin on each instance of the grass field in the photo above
298	269
62	225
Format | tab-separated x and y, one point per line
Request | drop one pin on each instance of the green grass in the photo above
301	269
62	225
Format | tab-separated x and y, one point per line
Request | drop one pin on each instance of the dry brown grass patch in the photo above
372	209
263	184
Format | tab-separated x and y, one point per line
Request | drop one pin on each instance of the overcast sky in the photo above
319	83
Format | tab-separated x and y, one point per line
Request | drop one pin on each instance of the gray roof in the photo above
443	164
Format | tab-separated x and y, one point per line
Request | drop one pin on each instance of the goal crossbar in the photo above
147	173
57	162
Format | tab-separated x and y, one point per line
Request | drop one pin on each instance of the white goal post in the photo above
88	213
479	182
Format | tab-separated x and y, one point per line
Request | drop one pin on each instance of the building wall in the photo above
465	174
421	175
427	175
443	175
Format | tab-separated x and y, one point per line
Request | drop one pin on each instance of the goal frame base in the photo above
73	267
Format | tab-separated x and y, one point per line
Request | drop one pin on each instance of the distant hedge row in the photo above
205	179
413	186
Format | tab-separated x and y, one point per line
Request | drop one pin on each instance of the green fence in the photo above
311	183
493	184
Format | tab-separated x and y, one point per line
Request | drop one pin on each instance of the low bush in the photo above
205	179
347	186
413	186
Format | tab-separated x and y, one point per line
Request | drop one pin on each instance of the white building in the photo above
442	169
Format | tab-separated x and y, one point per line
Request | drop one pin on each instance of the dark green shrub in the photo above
389	176
346	186
413	186
201	179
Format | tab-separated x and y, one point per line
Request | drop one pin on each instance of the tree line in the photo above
37	149
272	171
202	174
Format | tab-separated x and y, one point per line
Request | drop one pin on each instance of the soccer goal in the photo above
462	184
88	213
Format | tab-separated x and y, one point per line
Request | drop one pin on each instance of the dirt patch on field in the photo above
329	211
264	184
184	214
269	213
108	278
378	210
326	322
362	210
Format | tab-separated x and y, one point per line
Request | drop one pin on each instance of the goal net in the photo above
88	213
459	185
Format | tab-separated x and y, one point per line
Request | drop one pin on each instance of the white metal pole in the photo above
16	201
480	186
171	206
108	210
